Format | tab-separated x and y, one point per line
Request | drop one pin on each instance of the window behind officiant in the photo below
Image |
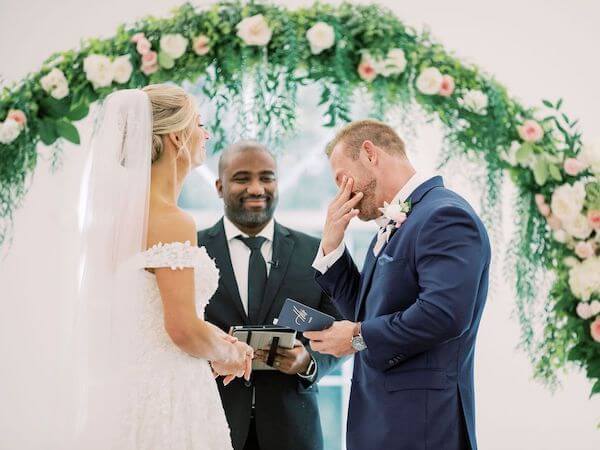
261	264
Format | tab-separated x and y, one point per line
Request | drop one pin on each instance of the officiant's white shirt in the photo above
322	262
240	254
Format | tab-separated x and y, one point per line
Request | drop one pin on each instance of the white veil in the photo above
113	219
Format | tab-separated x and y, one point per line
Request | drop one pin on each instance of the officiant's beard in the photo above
238	214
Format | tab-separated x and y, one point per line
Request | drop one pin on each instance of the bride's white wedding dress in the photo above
174	404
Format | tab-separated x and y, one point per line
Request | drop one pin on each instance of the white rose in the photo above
394	63
55	84
584	310
567	201
122	69
590	156
98	70
9	131
475	101
429	81
571	261
254	30
60	91
560	236
578	227
321	36
173	45
595	306
584	278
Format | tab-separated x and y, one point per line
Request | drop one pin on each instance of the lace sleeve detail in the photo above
176	255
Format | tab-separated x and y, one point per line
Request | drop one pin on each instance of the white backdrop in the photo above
538	49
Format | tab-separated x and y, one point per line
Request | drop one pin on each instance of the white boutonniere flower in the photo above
396	212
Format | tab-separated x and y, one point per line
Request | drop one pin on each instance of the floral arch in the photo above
343	49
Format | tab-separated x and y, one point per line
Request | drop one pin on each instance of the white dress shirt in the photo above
240	254
322	262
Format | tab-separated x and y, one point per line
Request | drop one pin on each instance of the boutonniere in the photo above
396	212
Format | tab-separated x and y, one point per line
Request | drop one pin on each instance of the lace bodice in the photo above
176	256
180	255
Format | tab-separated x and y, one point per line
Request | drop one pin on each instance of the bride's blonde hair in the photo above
173	111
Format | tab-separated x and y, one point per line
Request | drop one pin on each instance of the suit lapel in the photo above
371	260
283	247
220	250
367	274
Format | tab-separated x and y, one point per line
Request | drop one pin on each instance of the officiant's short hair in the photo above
355	133
240	147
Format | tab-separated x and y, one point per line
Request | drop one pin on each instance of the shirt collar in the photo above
413	183
232	231
409	187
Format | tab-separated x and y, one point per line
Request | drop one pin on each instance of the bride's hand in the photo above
240	364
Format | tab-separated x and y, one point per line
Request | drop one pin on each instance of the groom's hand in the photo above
335	340
290	361
339	214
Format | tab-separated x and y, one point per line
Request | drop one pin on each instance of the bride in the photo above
145	352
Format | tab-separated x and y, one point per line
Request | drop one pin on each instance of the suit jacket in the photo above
287	414
420	303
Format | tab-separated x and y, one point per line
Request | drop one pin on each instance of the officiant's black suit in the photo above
286	413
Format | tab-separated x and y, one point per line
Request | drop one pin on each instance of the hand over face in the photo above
335	340
339	214
290	361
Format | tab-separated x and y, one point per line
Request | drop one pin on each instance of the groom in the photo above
414	310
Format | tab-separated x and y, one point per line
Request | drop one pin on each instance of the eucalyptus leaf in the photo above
68	131
540	171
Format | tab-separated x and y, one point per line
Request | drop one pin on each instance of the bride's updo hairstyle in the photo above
173	111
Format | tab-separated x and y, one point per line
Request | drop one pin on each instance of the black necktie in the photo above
257	276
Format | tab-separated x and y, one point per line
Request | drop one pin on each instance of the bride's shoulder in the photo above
171	226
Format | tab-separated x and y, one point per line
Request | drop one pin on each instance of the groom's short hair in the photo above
355	133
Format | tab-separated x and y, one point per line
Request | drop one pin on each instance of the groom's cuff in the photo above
322	262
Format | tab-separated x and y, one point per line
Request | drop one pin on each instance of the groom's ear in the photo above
370	151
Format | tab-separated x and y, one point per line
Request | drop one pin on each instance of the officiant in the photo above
261	264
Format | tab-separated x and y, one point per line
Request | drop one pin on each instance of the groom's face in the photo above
248	186
343	164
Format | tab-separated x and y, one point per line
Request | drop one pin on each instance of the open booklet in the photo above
263	337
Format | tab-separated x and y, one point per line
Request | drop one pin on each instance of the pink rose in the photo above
540	200
149	69
18	116
531	131
150	59
584	249
593	216
573	166
366	71
595	329
554	222
143	46
137	36
201	46
584	310
447	86
544	209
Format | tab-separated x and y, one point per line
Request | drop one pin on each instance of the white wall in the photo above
538	49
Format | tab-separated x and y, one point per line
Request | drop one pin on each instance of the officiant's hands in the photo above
290	361
339	214
335	340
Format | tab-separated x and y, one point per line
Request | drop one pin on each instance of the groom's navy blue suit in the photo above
420	303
